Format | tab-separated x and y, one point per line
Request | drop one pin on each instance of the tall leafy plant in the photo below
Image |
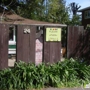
68	73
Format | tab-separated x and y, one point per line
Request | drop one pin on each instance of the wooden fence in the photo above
25	45
78	42
52	50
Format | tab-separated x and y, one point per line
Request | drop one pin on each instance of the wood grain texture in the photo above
26	44
4	37
52	50
74	41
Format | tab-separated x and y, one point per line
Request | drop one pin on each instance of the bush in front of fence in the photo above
68	73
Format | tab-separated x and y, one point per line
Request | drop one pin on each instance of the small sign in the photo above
26	31
53	34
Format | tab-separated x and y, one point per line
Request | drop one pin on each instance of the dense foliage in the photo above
44	10
10	4
54	11
68	73
76	20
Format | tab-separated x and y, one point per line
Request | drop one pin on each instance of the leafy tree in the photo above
33	9
76	18
57	11
44	10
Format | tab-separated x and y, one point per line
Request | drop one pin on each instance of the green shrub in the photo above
68	73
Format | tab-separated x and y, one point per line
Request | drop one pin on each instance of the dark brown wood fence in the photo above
26	43
52	50
74	41
86	45
4	36
78	42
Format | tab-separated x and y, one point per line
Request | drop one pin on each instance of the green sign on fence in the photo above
53	34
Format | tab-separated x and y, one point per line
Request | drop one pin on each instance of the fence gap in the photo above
12	46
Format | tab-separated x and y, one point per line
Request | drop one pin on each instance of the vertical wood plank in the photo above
32	43
46	49
75	40
52	52
69	41
58	49
19	43
26	47
4	37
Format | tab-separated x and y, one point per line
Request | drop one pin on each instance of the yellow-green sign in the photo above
53	34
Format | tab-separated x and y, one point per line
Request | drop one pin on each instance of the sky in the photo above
82	3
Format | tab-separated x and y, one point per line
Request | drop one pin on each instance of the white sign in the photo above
26	31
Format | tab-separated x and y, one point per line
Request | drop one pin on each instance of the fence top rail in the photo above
54	25
58	25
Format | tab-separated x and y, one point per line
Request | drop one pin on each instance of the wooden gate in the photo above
25	49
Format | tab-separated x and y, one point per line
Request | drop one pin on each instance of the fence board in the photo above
58	49
69	41
19	44
46	49
4	36
26	44
52	52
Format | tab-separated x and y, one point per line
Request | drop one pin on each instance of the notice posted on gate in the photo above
53	34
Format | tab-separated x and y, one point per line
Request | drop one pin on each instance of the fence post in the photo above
4	37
